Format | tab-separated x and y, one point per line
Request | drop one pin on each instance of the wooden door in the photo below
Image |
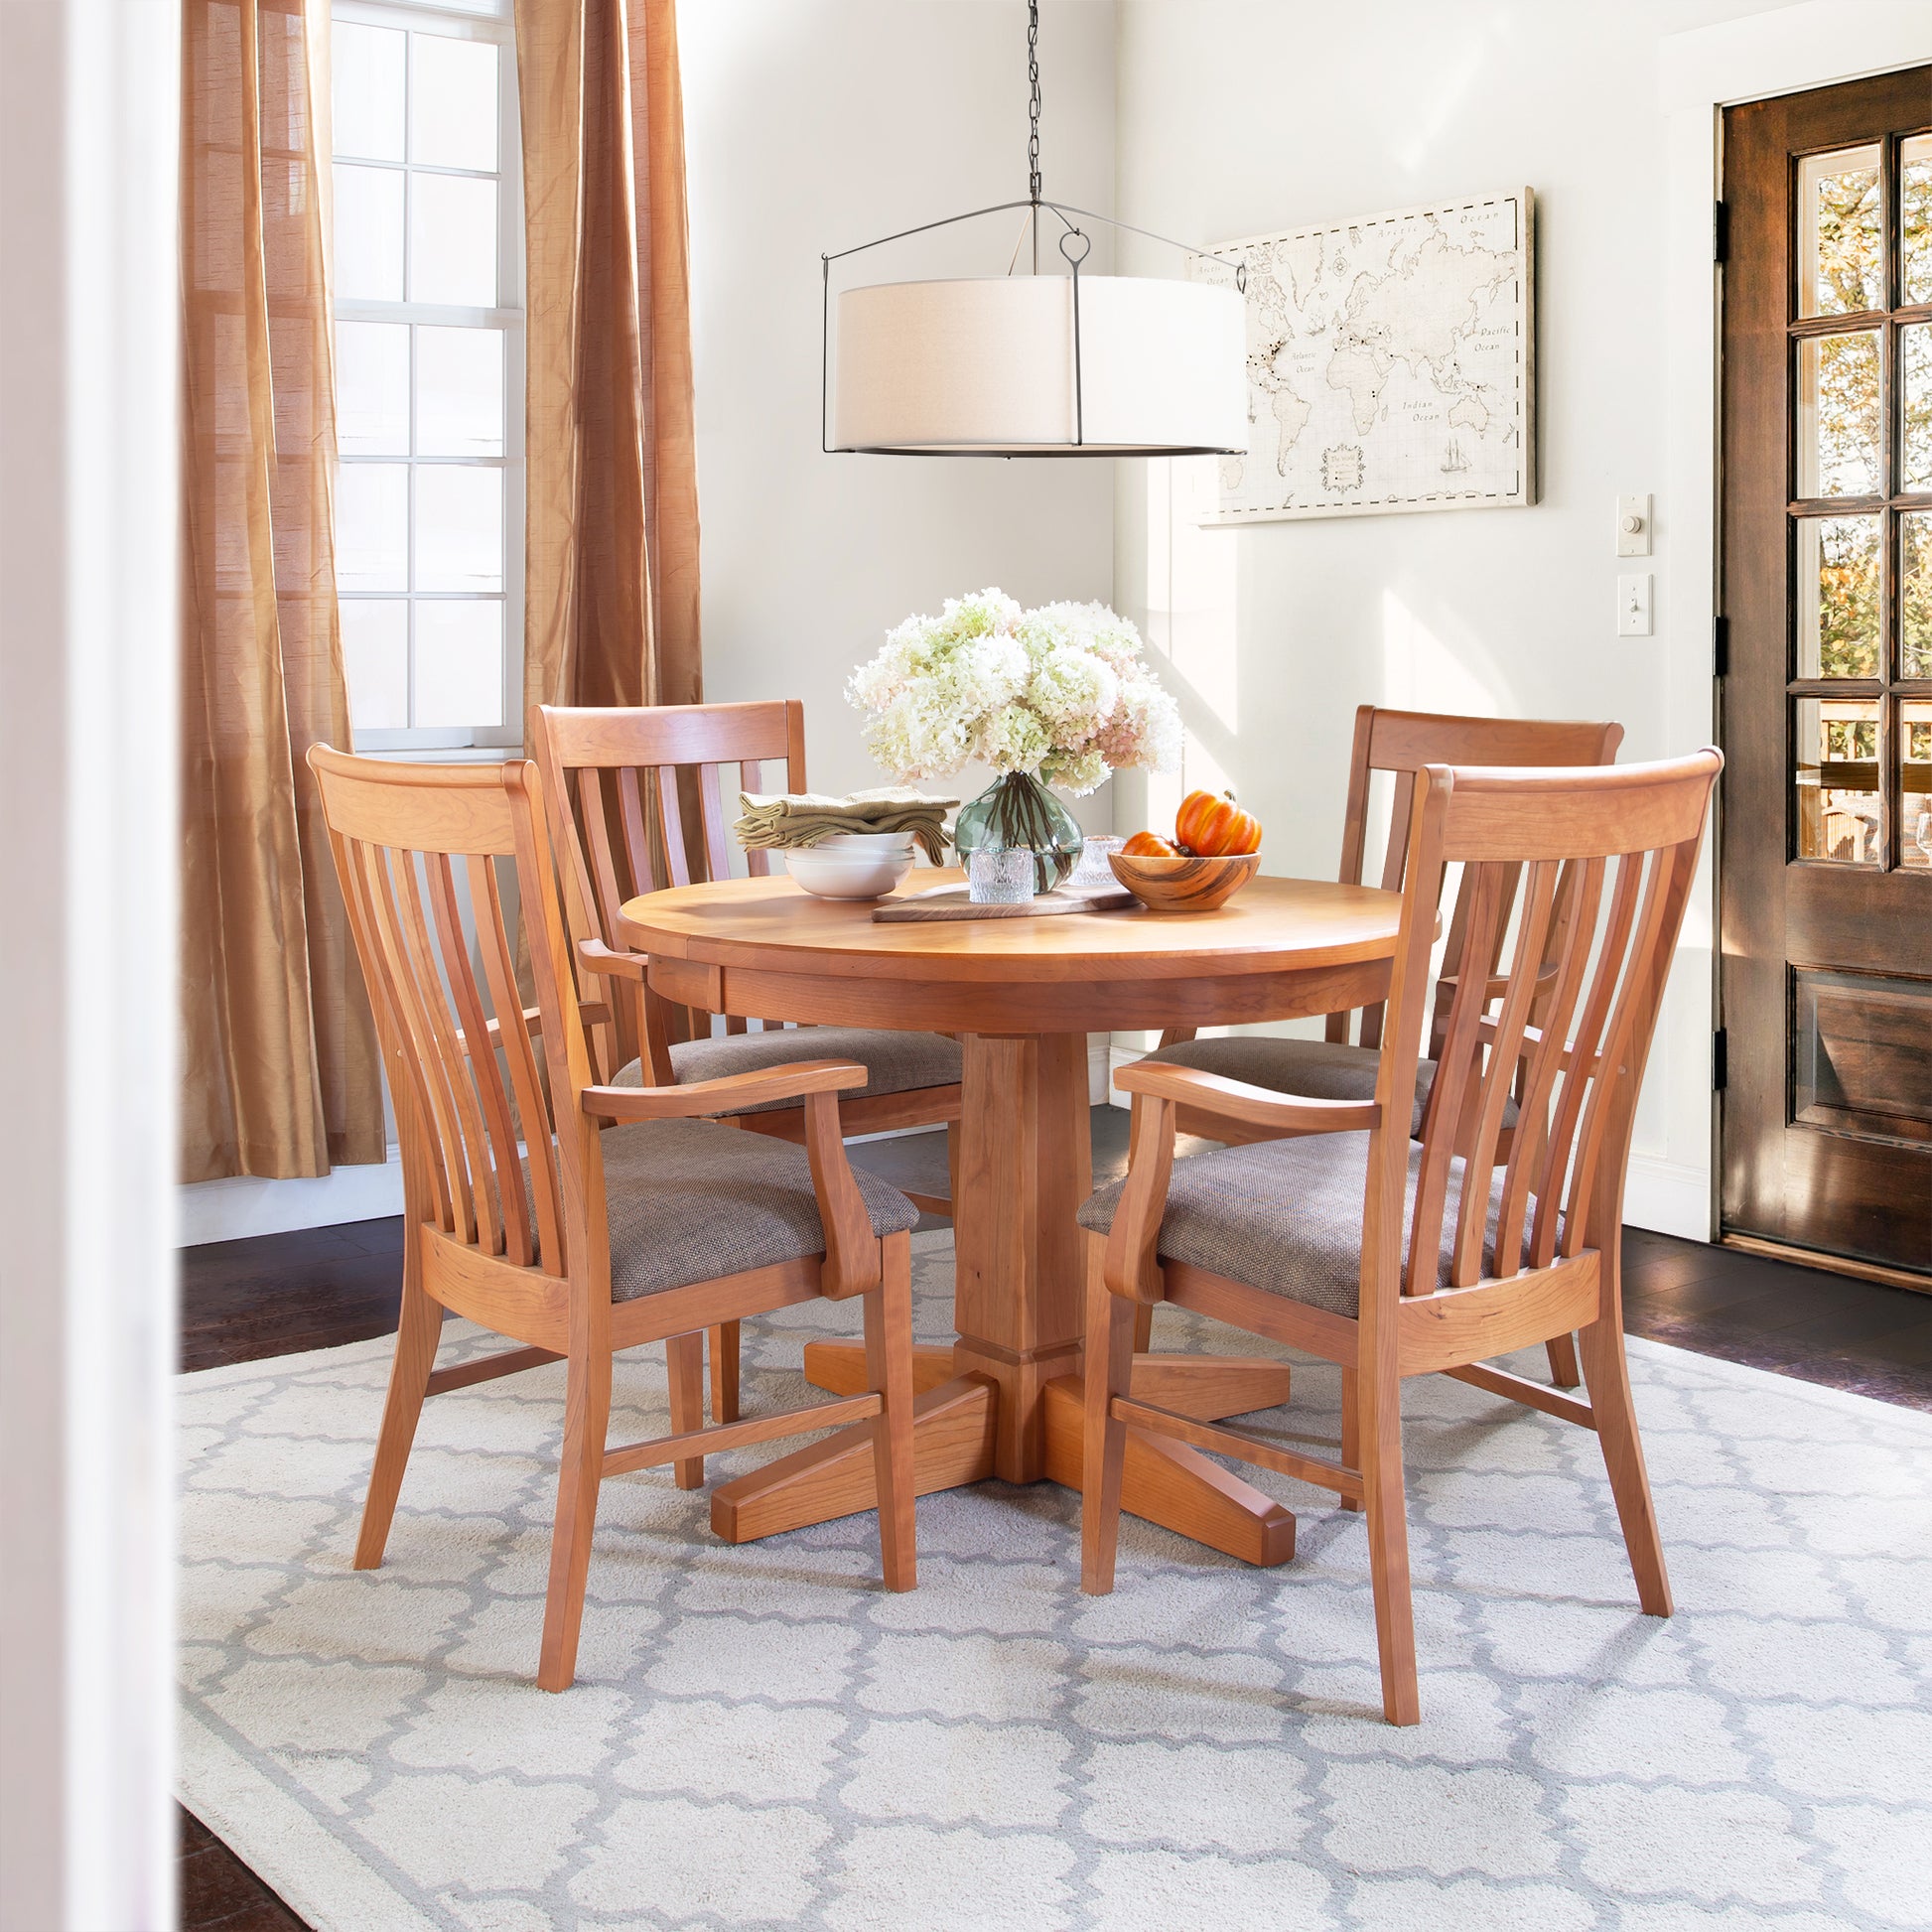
1826	871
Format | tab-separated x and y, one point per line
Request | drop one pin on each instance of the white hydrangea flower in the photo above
1078	772
1075	693
1062	690
1014	739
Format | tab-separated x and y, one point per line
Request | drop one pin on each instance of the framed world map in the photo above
1391	363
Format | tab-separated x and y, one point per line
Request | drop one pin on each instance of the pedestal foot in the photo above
1167	1482
839	1368
952	1429
1208	1387
1174	1485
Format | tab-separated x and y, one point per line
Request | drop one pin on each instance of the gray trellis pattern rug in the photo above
761	1737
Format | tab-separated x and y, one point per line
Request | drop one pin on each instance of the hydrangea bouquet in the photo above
1055	696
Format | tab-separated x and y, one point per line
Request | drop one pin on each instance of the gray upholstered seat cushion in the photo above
896	1062
1285	1215
691	1200
1317	1069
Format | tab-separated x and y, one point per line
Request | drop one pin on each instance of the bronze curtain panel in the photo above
280	1056
610	568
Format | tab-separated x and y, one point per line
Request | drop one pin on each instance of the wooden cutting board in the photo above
952	902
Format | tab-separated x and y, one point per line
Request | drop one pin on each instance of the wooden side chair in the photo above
1393	1258
1336	1067
616	783
531	1213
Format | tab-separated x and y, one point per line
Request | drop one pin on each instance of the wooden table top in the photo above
770	925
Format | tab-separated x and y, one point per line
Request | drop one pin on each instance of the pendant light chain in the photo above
1032	106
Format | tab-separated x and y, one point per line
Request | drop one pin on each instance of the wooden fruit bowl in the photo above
1184	885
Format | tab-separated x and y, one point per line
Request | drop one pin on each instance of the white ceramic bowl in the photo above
866	842
832	869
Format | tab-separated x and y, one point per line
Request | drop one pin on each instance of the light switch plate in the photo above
1633	511
1634	606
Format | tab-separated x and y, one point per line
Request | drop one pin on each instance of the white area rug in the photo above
762	1737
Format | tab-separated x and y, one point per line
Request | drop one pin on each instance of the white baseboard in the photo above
1668	1197
1100	1068
1665	1196
227	1210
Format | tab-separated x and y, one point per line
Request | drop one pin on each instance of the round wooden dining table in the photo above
1022	995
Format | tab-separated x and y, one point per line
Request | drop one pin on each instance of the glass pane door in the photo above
1860	512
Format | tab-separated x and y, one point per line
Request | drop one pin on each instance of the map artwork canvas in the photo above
1391	363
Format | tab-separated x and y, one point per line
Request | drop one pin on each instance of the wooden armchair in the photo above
615	785
1334	1067
571	1241
1395	1259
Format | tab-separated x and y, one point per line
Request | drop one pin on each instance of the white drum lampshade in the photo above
988	367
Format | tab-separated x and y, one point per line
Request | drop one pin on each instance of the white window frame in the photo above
493	23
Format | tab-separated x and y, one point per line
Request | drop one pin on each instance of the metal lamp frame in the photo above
1034	203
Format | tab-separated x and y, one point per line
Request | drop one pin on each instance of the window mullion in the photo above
505	323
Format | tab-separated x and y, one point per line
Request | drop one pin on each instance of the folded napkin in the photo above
798	818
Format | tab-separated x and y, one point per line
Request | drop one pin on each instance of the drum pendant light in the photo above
1074	364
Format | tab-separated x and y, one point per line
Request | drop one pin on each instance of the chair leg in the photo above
1109	1372
887	1313
1608	1371
1143	1327
586	1422
417	1336
953	1143
684	1358
1379	1399
1564	1371
1351	1432
724	1372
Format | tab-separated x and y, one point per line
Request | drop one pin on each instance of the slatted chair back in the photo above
621	784
1403	742
1575	886
429	857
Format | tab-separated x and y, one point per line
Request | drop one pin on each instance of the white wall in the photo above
813	125
816	124
1243	121
89	471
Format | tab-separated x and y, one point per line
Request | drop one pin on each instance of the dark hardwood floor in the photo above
217	1889
280	1294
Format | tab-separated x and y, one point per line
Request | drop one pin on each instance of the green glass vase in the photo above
1018	812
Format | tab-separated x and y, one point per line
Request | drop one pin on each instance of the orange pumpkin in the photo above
1215	827
1150	845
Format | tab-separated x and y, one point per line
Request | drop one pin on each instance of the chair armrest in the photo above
855	1257
593	1014
854	1263
733	1091
1130	1264
493	1030
1493	988
1189	1086
597	957
1532	1038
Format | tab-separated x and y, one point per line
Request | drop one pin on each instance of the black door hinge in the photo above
1720	648
1720	233
1719	1060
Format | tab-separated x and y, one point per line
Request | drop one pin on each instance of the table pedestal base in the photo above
956	1436
1006	1400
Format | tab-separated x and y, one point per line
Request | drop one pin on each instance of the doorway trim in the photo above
1700	74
